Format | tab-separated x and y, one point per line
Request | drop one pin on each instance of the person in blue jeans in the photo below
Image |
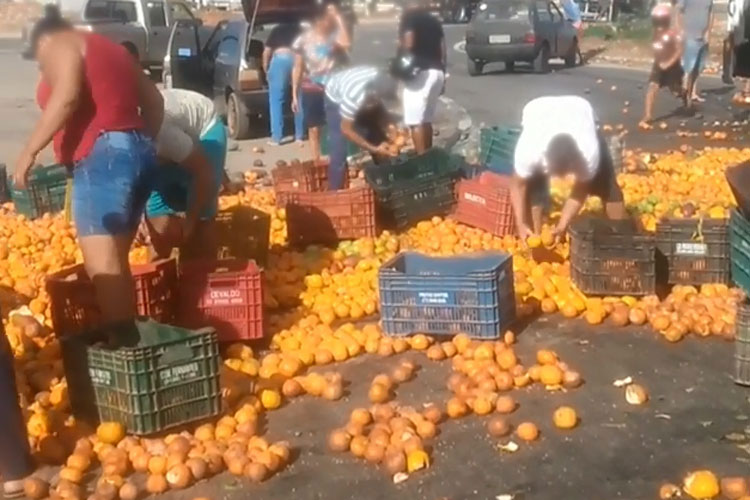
355	111
192	145
278	64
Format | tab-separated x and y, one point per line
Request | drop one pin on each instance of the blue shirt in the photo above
571	10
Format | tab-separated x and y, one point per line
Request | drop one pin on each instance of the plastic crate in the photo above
170	378
45	192
226	295
242	232
484	202
73	296
739	250
611	258
738	178
497	146
304	177
696	250
4	189
330	216
447	295
415	189
742	345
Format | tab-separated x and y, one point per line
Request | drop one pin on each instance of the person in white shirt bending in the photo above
192	147
559	137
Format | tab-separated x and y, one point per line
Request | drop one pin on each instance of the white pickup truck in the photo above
144	26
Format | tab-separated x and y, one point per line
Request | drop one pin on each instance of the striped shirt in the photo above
347	88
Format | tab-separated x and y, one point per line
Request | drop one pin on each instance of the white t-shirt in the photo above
187	116
546	117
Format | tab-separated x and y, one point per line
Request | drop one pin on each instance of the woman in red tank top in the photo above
100	112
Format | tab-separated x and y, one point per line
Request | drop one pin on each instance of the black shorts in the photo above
604	184
670	77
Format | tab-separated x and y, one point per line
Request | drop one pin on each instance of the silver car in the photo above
511	31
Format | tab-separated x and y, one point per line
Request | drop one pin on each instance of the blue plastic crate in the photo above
471	294
739	250
497	146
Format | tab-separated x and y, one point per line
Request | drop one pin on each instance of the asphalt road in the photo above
497	97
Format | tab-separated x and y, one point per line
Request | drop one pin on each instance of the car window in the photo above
156	14
228	50
503	10
542	12
556	14
180	12
102	9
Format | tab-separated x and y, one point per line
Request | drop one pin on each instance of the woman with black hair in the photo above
100	112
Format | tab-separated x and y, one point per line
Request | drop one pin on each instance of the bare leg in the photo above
537	217
616	210
648	111
422	137
166	234
105	259
689	89
313	137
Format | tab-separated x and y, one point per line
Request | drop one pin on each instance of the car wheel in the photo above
475	67
541	63
510	66
238	118
570	58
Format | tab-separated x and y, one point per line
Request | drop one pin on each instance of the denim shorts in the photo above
111	185
174	185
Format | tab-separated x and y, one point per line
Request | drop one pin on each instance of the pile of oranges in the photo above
317	299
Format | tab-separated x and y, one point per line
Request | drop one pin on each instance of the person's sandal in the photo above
13	489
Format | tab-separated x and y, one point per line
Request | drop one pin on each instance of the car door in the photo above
187	65
158	30
545	28
228	50
179	12
563	31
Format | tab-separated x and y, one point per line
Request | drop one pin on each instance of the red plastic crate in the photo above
224	294
329	216
304	177
73	297
484	203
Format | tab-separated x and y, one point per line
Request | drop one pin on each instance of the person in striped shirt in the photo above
355	111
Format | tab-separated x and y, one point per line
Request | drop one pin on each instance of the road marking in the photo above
460	47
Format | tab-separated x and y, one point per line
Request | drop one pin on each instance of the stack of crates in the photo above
415	189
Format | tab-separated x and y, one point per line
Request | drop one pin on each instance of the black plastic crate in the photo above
472	294
611	258
696	250
45	192
242	232
169	379
416	189
742	345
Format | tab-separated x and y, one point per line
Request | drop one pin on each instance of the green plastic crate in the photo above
415	189
170	378
497	146
45	192
351	148
739	250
